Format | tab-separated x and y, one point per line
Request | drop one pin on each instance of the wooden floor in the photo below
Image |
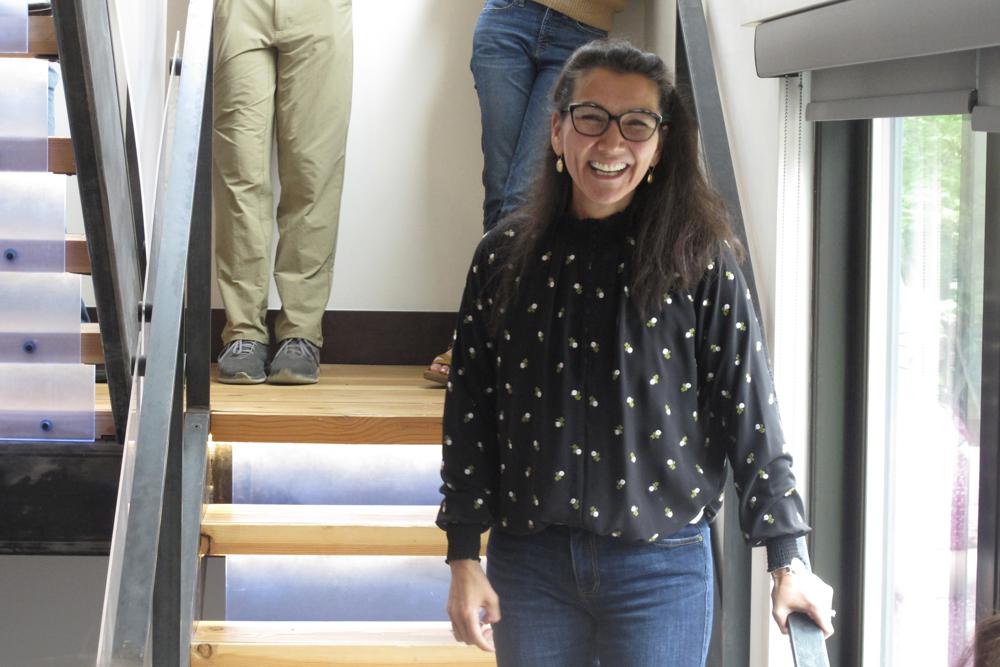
350	404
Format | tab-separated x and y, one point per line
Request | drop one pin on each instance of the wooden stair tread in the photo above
397	516
77	255
351	404
61	160
323	530
341	643
105	423
91	350
41	39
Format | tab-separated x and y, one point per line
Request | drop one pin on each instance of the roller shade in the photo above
881	58
986	113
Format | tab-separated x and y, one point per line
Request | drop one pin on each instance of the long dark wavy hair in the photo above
680	219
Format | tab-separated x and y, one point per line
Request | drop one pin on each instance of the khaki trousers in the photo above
283	69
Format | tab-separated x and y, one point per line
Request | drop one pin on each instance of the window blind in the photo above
882	58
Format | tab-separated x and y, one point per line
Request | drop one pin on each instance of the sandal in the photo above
439	377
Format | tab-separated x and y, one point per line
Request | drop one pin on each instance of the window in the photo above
924	389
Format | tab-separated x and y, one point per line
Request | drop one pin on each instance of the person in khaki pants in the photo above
283	69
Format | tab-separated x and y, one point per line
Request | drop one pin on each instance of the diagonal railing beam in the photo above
696	70
83	32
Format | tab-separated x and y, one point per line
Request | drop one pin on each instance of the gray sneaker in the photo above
296	362
243	362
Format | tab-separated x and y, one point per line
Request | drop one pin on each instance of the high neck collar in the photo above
616	225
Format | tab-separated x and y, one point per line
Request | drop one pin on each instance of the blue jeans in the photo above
569	598
54	77
518	50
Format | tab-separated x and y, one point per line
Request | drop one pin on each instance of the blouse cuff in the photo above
463	542
780	552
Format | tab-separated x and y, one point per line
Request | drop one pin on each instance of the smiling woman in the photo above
607	364
606	167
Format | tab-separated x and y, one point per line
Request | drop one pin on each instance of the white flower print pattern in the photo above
591	387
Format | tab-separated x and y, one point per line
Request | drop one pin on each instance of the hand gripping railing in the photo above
152	575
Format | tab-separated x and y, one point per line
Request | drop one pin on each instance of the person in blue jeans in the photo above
608	368
518	50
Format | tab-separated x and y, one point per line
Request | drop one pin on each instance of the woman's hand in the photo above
802	591
470	592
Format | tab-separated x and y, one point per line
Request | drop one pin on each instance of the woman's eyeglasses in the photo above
592	120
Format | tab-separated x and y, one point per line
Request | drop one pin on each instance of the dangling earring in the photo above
649	176
560	167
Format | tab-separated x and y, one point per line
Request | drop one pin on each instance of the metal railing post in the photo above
166	630
199	291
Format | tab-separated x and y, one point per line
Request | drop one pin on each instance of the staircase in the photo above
340	532
353	572
31	259
352	522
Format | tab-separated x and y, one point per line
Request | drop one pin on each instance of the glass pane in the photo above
24	120
13	26
932	382
32	222
46	402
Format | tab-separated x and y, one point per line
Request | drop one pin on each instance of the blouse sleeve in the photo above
736	395
469	466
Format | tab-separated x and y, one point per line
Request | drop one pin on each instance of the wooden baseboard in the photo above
366	337
369	337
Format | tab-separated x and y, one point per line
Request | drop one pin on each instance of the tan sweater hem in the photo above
597	13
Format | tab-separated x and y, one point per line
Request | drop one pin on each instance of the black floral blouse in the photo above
582	412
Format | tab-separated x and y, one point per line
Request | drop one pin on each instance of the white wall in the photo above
412	206
753	11
411	212
405	245
50	608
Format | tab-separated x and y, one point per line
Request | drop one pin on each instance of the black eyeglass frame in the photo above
661	121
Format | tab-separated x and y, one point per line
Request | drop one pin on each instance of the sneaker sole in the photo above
285	376
242	378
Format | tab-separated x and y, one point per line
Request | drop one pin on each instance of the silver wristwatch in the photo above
795	566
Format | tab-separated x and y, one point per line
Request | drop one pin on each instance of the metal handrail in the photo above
148	607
